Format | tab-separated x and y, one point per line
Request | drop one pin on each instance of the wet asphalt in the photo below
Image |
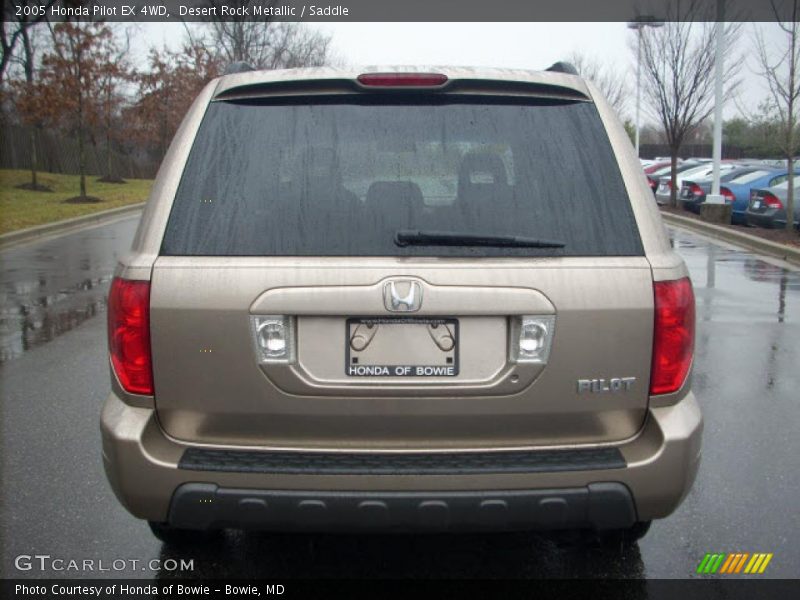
54	499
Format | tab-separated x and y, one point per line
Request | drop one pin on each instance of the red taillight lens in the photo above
727	194
402	79
696	190
673	336
773	201
129	334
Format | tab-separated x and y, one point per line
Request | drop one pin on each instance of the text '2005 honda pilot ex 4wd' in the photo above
401	300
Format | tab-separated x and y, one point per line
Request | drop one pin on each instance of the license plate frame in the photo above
407	370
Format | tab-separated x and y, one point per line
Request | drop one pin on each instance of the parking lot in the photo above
55	499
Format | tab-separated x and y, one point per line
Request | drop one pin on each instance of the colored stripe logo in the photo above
734	563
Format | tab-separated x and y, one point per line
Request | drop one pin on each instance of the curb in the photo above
751	242
67	225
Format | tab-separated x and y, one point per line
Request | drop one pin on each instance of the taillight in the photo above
696	190
129	334
653	183
402	79
772	201
728	195
673	335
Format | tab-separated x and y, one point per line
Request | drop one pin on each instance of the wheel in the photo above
627	536
176	536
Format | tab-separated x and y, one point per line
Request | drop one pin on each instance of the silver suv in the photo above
405	299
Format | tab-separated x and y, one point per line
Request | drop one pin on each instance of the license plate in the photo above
757	204
685	193
401	347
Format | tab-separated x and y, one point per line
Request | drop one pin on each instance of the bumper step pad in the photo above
599	506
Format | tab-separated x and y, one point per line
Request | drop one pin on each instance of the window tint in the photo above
340	179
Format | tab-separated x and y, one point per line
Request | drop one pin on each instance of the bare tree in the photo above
112	76
780	70
29	68
611	83
261	42
70	82
14	28
678	73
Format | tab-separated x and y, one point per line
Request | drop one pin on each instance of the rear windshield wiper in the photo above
416	237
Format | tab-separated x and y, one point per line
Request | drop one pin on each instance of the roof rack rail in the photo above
238	67
563	67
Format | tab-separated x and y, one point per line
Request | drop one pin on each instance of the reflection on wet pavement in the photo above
474	555
51	287
767	292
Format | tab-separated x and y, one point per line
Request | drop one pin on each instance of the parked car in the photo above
693	191
739	190
696	171
767	207
654	177
318	329
656	166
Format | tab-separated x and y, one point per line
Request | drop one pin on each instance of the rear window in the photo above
341	178
748	177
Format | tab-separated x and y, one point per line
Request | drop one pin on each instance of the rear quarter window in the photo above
340	177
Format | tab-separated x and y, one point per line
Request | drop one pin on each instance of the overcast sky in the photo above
520	45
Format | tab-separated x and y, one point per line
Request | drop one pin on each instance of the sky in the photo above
516	45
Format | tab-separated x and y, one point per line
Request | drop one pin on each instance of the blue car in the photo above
737	190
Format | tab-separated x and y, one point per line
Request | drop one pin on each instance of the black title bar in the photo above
399	10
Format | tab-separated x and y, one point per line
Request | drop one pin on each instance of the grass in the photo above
20	209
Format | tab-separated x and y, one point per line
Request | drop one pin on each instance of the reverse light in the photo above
129	335
673	335
531	338
274	338
402	79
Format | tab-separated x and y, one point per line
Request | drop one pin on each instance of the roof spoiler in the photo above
563	67
238	67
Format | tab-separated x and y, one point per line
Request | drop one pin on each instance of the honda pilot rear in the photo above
401	300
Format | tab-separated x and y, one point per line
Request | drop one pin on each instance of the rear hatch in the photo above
402	270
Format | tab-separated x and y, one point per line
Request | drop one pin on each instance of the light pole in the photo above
638	24
714	197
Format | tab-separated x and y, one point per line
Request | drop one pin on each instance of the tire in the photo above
175	536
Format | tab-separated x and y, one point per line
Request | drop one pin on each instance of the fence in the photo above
59	154
650	151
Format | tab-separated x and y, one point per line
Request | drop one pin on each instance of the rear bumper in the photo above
766	220
207	506
662	198
162	479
